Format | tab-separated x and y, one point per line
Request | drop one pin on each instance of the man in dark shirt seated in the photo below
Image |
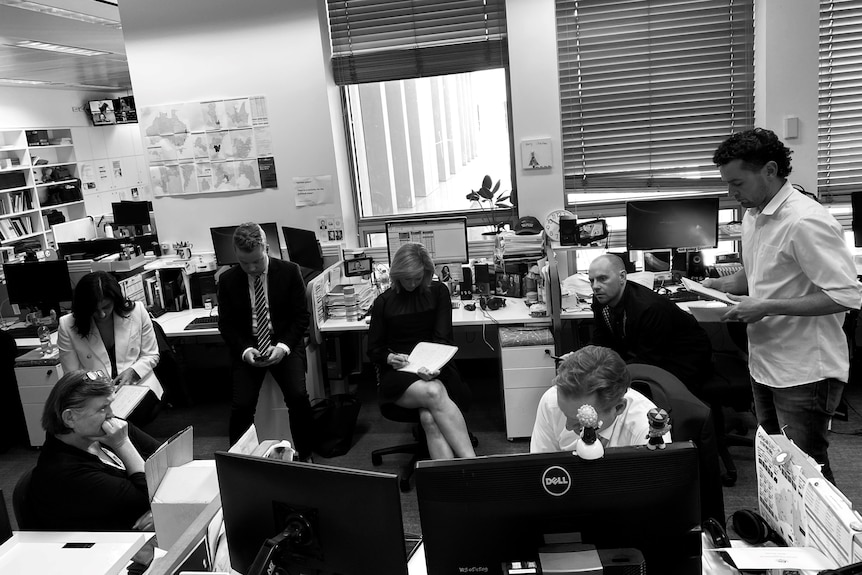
644	327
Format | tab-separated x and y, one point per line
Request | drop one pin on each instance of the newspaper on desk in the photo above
801	505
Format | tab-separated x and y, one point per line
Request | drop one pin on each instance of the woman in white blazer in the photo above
109	333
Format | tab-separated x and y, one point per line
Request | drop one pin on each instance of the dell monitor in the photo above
672	224
478	513
223	243
444	238
135	214
39	285
303	249
310	518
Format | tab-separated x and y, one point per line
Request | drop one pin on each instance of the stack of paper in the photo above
510	245
431	356
335	303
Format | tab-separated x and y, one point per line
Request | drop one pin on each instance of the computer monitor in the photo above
444	238
672	224
135	214
478	513
303	249
223	243
345	521
41	285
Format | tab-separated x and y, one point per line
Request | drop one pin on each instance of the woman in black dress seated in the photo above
412	310
90	473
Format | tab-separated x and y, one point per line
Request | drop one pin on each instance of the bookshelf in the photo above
34	166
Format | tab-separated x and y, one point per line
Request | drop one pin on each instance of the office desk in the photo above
515	312
70	553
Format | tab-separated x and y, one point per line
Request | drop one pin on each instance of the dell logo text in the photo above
556	481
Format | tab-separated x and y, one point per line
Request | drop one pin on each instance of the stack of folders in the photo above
336	306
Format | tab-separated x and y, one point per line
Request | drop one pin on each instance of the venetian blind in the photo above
380	40
839	147
649	89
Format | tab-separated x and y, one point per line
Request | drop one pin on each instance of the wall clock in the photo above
552	223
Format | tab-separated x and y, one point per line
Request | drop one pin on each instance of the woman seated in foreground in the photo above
412	310
90	473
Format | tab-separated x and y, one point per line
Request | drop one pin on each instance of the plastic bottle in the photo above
45	339
350	303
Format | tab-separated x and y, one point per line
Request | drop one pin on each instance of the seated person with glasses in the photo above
108	332
599	377
90	473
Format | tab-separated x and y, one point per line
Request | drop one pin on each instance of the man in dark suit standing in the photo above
263	317
644	327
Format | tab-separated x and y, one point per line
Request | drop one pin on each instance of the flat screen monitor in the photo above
223	243
125	111
350	519
444	238
131	214
41	285
303	249
478	513
672	224
102	112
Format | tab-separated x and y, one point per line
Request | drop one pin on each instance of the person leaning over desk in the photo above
90	472
644	327
798	282
596	376
412	310
263	317
107	332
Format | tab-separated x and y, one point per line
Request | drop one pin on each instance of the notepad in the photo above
707	292
432	356
127	398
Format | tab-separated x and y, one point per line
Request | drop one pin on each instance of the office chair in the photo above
5	524
417	450
692	421
20	501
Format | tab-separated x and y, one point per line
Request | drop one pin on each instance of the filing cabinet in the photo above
527	369
36	376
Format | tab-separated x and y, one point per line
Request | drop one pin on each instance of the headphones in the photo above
492	303
749	525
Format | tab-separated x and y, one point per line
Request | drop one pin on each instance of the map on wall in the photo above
208	146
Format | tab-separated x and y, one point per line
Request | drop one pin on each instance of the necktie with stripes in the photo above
264	336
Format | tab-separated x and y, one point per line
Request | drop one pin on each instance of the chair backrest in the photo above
691	419
5	524
20	500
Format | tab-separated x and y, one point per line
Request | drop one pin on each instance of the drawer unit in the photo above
527	372
36	377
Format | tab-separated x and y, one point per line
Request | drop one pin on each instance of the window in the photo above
426	104
649	89
839	154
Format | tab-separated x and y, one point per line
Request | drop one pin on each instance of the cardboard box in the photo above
180	487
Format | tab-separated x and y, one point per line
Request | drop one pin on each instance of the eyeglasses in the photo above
97	375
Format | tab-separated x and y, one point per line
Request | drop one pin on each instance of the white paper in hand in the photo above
432	356
697	288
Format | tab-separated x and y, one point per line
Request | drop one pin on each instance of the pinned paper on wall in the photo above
536	154
313	191
330	228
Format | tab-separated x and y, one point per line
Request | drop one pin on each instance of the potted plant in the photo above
491	200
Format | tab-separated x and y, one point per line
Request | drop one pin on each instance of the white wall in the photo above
786	46
208	49
22	107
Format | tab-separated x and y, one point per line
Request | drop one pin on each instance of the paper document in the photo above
432	356
707	292
778	558
705	311
127	398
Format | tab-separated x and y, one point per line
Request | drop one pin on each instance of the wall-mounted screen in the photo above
102	112
444	238
125	111
671	224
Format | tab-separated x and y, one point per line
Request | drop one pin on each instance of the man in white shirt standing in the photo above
797	284
597	376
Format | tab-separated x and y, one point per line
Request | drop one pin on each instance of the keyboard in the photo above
727	268
203	322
